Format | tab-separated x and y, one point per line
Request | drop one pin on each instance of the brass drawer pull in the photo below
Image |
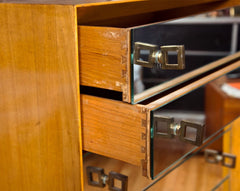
173	129
103	179
213	156
159	57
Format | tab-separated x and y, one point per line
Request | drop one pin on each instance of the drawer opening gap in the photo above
99	92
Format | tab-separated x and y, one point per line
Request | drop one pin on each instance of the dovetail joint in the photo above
125	94
124	73
124	60
143	149
144	123
144	110
144	168
144	136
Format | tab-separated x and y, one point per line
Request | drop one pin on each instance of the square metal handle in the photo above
151	48
116	176
99	172
163	58
103	179
213	156
180	130
167	121
199	132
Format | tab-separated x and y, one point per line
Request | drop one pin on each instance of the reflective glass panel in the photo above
187	123
206	39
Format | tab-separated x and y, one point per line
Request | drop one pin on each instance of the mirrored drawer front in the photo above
166	129
140	62
207	169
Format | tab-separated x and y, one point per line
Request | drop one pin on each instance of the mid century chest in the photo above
67	82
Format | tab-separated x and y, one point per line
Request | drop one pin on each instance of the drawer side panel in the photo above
114	129
104	58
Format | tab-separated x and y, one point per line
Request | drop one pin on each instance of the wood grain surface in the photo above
231	145
104	54
114	129
40	134
220	108
39	104
214	108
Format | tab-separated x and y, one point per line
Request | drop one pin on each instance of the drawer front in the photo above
198	172
140	62
186	125
131	133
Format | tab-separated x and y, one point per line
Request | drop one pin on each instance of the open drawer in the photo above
142	61
206	169
167	128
